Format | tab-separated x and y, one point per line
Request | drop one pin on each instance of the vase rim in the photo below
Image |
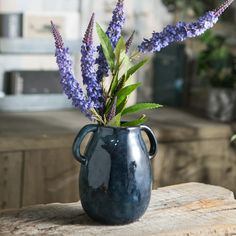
121	128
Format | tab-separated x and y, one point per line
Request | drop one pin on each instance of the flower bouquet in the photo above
108	105
115	176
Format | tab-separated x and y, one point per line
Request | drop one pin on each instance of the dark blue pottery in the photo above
115	177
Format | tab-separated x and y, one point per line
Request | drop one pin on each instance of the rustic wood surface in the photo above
37	130
50	175
38	176
10	179
186	209
37	167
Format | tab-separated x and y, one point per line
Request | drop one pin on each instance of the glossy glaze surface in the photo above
115	176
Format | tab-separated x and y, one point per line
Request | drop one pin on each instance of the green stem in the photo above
97	116
134	55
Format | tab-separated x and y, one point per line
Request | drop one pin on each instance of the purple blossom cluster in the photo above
129	42
182	30
94	90
92	76
114	33
116	25
179	32
69	84
223	7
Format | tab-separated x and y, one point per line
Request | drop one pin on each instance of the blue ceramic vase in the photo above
115	177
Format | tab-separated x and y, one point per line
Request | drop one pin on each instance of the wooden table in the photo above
186	209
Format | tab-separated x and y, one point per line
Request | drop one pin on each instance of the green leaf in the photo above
140	107
121	57
122	105
114	84
96	116
121	84
120	47
125	60
233	138
115	122
106	47
126	91
136	67
137	122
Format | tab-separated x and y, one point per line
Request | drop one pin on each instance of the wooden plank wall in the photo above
210	161
38	176
51	175
11	177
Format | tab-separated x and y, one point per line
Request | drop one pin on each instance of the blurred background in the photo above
194	80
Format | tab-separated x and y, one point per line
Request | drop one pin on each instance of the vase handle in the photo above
152	139
79	139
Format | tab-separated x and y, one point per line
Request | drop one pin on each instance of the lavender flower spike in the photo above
94	90
223	7
129	42
57	36
112	112
182	30
114	33
70	86
117	23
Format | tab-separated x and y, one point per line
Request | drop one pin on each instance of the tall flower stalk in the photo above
129	42
108	106
69	84
114	33
182	30
94	90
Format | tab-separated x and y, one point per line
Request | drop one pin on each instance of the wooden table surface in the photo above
186	209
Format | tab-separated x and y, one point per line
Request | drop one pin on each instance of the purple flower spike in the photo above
114	33
129	42
94	90
223	7
69	84
182	31
58	39
112	112
88	37
117	23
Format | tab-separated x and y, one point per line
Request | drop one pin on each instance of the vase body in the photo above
115	177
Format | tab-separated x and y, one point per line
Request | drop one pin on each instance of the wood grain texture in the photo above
210	161
10	179
180	210
50	176
28	142
39	130
190	149
34	130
